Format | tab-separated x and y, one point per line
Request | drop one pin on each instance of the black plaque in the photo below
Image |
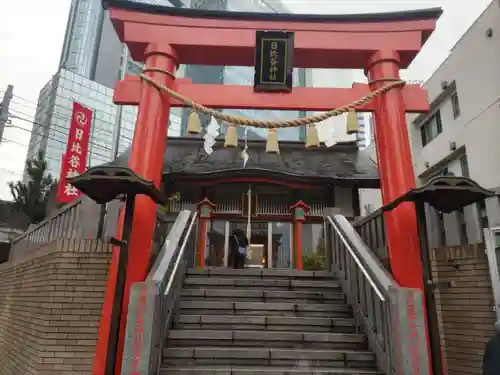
273	61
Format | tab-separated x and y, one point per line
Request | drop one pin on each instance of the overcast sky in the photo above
32	32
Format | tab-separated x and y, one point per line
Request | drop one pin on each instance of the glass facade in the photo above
82	36
91	61
242	75
91	47
52	120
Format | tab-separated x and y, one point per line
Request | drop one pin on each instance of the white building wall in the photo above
473	67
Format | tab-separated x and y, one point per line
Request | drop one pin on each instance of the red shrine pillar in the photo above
299	211
396	171
146	159
205	209
396	175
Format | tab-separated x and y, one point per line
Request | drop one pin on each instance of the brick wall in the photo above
464	306
50	307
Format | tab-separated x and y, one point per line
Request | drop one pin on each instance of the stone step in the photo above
270	323
267	339
265	308
262	295
259	370
271	273
331	286
268	357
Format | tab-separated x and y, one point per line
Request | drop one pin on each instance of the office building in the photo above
460	135
52	118
91	47
92	59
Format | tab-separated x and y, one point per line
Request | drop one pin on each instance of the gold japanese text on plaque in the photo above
273	61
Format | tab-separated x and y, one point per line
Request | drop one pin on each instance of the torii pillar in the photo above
396	170
164	37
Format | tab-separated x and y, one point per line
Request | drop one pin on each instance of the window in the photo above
464	164
431	128
455	105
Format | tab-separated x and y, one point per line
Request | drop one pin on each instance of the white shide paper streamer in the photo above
211	133
244	153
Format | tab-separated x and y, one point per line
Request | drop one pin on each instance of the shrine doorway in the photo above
271	243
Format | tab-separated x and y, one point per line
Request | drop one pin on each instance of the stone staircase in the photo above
257	321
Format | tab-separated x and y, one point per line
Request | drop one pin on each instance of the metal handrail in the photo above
366	285
180	257
358	262
164	259
368	255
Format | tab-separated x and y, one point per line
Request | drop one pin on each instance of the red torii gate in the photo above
164	37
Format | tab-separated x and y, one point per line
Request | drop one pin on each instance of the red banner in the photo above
75	158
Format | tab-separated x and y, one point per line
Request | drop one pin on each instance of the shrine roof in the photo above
342	164
421	14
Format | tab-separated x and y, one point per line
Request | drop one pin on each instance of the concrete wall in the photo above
369	200
465	307
50	308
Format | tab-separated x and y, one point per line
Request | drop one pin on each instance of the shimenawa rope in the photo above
272	124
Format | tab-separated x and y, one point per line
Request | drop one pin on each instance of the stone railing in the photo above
371	228
391	316
81	219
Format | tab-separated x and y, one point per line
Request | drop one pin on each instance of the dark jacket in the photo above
491	358
238	239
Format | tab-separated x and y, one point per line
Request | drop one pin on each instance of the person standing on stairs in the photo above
238	244
491	358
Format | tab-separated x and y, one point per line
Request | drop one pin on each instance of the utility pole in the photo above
4	109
